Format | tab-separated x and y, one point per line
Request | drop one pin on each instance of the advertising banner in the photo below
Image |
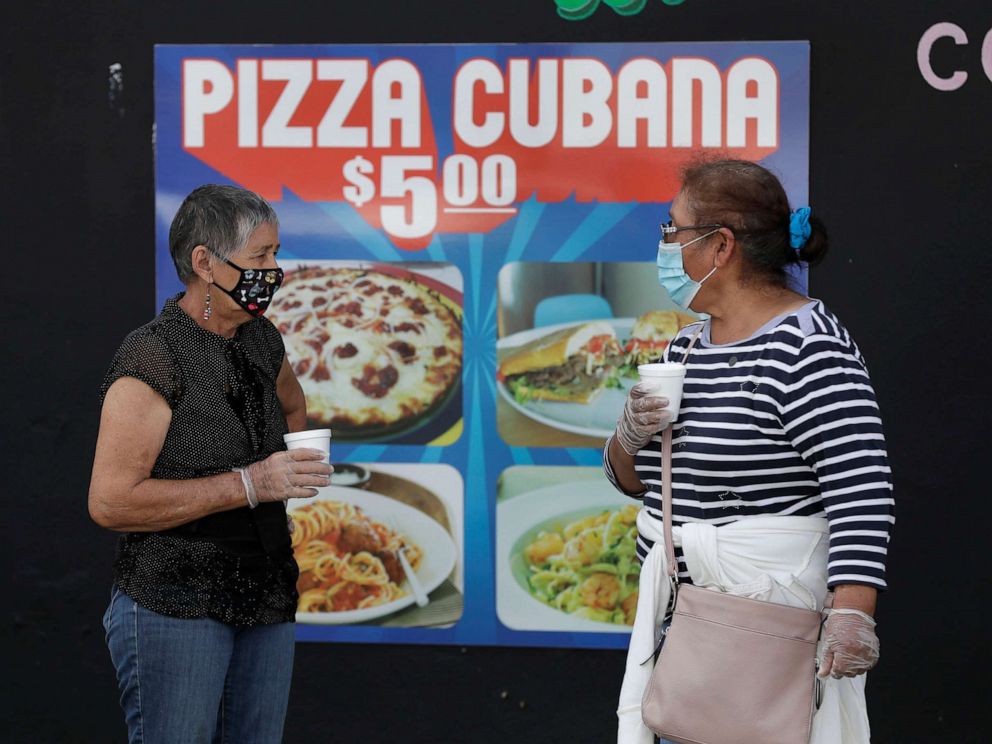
469	236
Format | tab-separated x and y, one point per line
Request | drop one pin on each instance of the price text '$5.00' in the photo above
468	187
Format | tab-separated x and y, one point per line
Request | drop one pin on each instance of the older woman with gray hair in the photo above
191	467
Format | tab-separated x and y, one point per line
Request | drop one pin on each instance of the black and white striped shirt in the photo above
784	422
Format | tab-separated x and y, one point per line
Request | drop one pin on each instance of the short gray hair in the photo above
222	218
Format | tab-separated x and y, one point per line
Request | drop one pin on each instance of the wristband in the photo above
249	488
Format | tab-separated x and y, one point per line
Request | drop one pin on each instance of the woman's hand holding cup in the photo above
644	414
293	474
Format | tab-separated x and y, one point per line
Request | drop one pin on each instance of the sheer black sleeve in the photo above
145	356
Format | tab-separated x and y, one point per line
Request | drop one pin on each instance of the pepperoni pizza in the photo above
370	349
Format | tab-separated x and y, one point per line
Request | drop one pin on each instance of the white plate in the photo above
522	517
595	419
437	548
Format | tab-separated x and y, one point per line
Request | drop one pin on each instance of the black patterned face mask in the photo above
254	289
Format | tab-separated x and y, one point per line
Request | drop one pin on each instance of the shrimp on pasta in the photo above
588	567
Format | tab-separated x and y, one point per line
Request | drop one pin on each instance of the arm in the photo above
290	393
123	495
619	467
849	644
832	419
643	416
856	597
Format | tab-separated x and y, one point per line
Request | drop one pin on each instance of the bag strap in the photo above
666	479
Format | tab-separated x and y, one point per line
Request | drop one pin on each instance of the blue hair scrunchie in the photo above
799	229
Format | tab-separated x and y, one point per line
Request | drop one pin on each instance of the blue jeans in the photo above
198	681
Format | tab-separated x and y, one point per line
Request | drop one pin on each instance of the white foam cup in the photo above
319	439
664	380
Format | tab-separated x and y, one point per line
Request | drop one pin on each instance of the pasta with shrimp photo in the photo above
587	567
566	552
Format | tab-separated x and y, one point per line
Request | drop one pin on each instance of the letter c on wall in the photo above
938	31
987	55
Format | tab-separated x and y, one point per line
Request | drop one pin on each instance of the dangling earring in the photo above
207	310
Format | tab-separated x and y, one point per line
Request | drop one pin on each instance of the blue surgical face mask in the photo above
671	272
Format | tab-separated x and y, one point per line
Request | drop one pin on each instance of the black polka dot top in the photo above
234	566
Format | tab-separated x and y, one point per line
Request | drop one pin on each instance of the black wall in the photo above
900	172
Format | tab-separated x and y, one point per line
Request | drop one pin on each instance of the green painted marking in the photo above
627	7
577	10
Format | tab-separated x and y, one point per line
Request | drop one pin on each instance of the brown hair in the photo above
750	200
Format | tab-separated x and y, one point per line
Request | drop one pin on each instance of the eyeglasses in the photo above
669	228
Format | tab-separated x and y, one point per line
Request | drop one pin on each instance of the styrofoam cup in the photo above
311	439
664	380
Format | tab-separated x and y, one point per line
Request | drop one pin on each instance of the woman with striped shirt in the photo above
778	416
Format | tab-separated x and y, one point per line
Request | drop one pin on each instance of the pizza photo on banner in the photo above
468	234
377	347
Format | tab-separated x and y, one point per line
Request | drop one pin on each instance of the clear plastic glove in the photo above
643	416
293	474
850	643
